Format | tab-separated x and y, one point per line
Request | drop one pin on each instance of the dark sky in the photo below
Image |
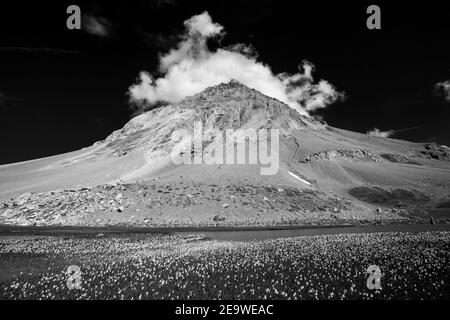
61	90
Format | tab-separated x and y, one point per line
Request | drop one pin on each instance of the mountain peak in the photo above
224	89
234	93
232	84
230	105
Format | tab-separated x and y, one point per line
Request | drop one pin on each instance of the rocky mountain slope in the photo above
326	175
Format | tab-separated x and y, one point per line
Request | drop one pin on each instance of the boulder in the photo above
24	198
219	218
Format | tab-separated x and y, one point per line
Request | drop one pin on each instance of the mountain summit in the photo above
229	105
326	175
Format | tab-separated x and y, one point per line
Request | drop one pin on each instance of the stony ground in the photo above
413	266
193	204
429	151
181	204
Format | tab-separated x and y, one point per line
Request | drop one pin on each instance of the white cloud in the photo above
203	25
378	133
443	88
96	26
191	67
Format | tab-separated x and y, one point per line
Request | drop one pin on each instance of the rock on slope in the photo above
326	175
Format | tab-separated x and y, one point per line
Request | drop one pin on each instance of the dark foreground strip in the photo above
220	233
54	230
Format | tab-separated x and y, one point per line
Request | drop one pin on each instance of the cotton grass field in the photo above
413	266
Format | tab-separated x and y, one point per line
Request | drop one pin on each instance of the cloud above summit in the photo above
191	67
